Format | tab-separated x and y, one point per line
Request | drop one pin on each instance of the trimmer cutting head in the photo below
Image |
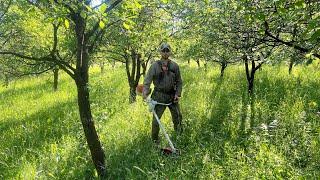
168	151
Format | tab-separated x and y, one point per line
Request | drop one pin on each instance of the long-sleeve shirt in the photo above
164	81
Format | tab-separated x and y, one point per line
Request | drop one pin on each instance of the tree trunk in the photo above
55	78
250	74
90	132
205	66
134	75
250	85
223	67
82	79
102	67
198	63
144	68
290	66
133	94
6	80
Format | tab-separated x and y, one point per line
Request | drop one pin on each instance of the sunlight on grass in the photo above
225	136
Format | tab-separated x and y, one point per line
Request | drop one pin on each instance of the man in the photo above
165	75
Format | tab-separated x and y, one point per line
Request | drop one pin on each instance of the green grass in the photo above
41	135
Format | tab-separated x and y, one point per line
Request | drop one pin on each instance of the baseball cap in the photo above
165	46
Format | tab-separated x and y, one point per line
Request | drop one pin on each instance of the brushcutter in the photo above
167	150
152	104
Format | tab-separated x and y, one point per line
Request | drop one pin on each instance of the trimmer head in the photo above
168	151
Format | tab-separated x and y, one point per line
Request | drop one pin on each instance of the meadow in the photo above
227	135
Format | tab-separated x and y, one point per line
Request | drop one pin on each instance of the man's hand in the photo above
144	96
145	93
176	98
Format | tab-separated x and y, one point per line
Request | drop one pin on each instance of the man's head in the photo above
165	50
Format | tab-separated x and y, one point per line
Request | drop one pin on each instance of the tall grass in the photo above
225	134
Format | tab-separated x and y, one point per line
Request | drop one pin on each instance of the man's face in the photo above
165	53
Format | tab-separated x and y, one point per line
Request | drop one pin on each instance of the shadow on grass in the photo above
27	137
136	159
44	87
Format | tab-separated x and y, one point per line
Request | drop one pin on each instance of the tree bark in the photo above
250	73
82	80
134	76
223	67
205	66
55	78
198	63
144	68
290	66
102	67
113	64
250	85
90	132
133	94
6	80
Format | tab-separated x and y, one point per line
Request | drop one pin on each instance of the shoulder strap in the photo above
170	69
161	74
160	65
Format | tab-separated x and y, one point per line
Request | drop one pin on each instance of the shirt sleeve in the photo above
148	79
178	82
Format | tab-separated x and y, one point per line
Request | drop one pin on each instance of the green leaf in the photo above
165	1
105	20
130	22
101	24
83	14
66	23
300	4
261	16
282	10
312	24
315	35
88	8
126	26
137	4
103	8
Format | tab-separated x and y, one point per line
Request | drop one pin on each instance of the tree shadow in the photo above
132	159
27	137
213	128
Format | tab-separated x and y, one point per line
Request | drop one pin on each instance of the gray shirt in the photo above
168	81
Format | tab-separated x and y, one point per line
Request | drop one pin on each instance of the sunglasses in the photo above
165	50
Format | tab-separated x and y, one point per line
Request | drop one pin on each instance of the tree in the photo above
85	33
136	43
295	24
246	35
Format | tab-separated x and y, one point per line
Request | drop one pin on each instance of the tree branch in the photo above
290	44
96	26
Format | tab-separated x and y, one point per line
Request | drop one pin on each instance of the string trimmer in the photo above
168	150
